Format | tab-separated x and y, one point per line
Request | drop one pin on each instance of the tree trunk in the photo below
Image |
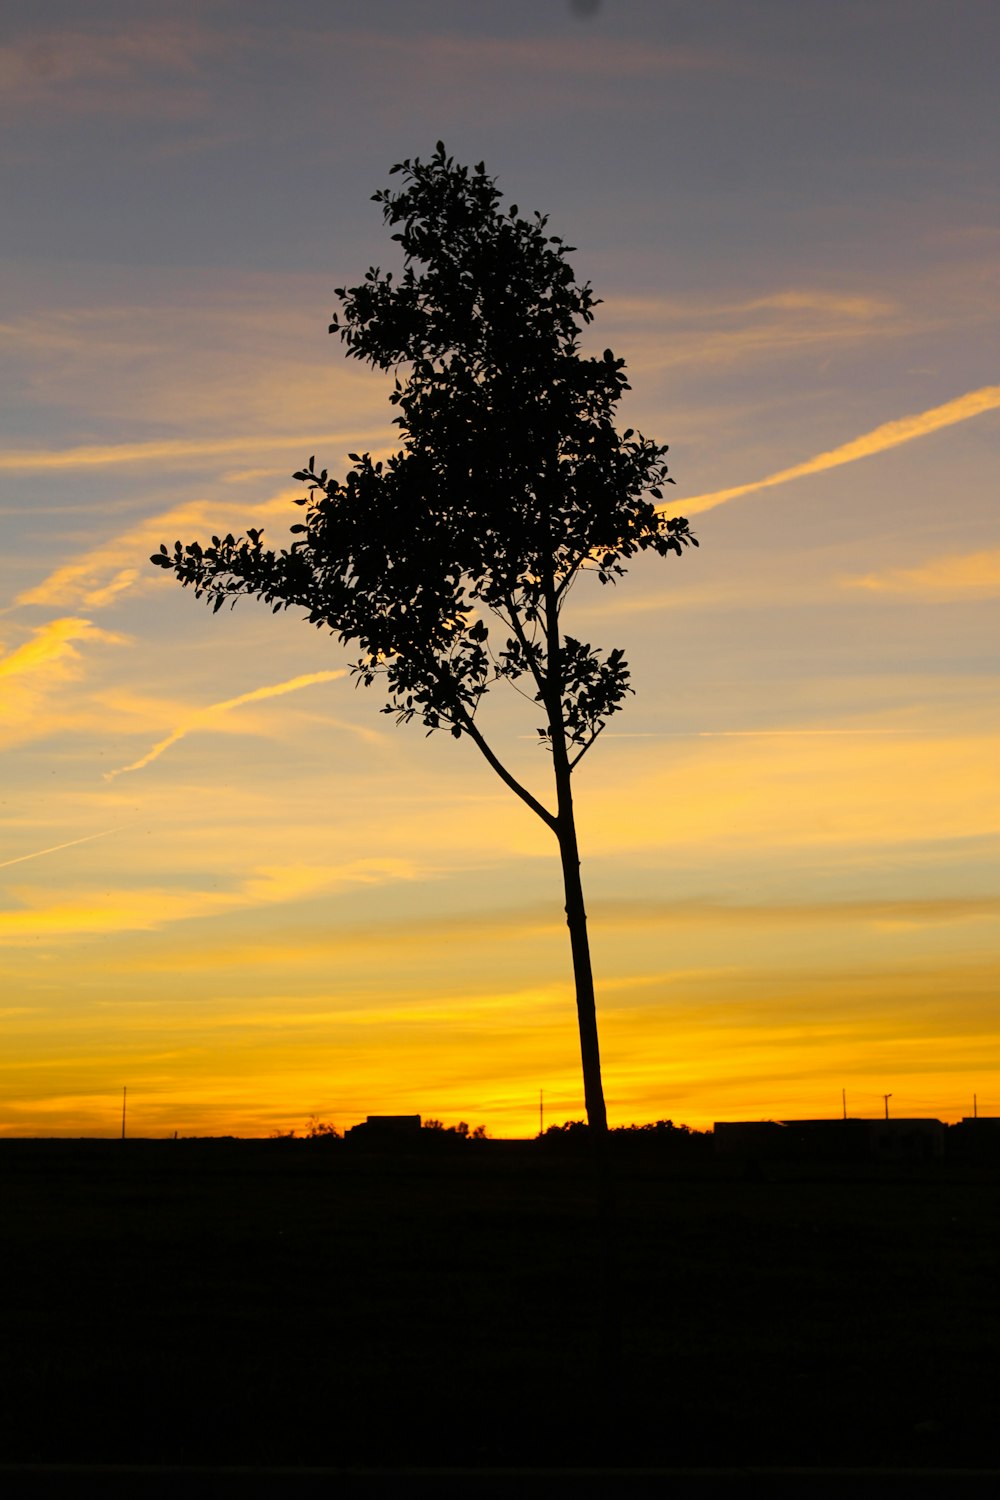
576	920
608	1310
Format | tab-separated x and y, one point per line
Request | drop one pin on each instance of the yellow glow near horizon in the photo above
800	1001
692	1063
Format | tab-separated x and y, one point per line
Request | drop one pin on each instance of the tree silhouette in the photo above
449	565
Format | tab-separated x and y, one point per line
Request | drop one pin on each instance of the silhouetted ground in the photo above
297	1303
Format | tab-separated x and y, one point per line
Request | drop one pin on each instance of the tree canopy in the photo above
447	566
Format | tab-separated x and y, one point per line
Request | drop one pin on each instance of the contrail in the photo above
56	847
205	715
889	435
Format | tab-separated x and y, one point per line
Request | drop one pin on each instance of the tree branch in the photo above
570	571
465	719
581	753
529	655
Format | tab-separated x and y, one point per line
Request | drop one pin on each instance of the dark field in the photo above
296	1303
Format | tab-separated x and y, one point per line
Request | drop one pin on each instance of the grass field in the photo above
297	1303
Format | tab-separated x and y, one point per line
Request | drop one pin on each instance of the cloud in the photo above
33	677
799	300
204	718
858	307
52	647
905	913
171	451
52	915
972	575
193	356
299	882
888	435
167	68
108	570
664	334
149	69
43	912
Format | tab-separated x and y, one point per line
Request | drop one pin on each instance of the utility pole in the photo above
541	1111
886	1098
124	1092
843	1100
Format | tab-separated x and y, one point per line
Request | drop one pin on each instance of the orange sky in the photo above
227	881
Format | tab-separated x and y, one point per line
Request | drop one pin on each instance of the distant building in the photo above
831	1140
907	1140
388	1129
405	1124
976	1138
748	1137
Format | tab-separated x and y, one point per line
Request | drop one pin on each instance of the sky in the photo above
232	886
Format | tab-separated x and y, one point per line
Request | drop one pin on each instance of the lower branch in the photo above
468	725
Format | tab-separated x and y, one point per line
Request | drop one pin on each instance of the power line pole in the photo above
541	1111
843	1100
886	1098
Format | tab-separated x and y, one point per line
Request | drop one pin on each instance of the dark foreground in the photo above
291	1303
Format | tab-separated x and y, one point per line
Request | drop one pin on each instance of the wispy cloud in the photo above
521	929
104	572
175	451
53	645
44	912
884	915
298	882
215	359
205	718
757	734
162	68
888	435
660	334
34	676
972	575
148	68
856	307
812	299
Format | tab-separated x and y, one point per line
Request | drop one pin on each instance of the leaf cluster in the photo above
448	563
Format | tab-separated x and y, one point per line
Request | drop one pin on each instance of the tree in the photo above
450	564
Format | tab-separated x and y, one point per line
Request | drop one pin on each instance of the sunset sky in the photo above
234	887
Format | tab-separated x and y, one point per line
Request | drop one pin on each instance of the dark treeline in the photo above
432	1135
851	1141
